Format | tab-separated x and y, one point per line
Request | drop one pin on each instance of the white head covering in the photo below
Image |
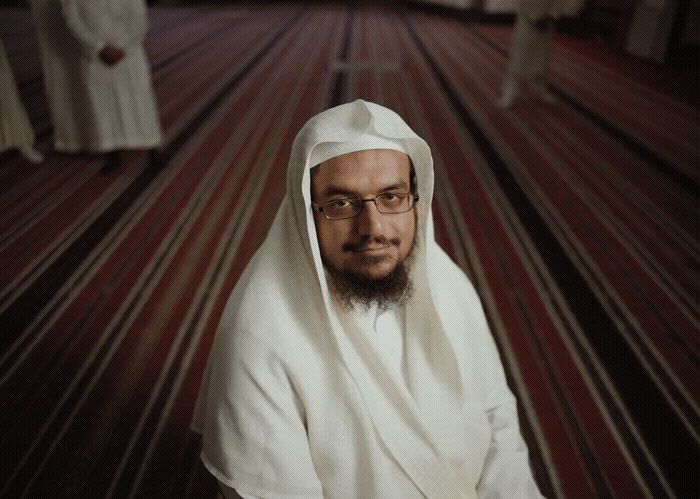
417	422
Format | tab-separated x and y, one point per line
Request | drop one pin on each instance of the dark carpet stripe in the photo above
641	396
23	310
665	167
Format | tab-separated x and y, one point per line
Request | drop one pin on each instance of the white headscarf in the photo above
416	422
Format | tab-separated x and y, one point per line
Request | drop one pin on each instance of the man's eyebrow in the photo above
401	185
335	190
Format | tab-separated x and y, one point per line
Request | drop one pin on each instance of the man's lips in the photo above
372	249
372	245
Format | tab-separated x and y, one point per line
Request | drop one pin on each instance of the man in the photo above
353	358
65	94
531	51
115	73
15	129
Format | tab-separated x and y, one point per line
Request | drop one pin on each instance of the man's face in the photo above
371	245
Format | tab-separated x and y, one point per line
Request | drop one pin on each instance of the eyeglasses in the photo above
388	203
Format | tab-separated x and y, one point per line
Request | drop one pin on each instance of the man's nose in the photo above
369	221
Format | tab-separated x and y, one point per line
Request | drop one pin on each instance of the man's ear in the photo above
413	178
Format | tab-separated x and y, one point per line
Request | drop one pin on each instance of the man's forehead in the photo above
358	174
365	157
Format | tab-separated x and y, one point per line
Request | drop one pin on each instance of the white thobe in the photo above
531	48
504	470
300	399
68	104
15	128
121	98
385	330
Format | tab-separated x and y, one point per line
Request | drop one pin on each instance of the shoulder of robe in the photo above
461	311
270	307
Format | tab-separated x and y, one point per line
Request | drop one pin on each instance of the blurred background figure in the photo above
59	61
531	51
15	129
115	74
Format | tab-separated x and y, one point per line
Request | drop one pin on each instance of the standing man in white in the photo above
531	51
353	358
115	73
15	129
65	94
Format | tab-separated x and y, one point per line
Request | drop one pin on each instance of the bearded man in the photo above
353	358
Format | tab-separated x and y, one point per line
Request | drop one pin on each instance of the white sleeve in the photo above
254	433
90	42
506	471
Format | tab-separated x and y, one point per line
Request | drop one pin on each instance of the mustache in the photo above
371	241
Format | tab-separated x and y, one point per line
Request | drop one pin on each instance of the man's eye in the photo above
338	204
393	197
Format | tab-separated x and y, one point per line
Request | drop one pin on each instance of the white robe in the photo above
60	54
531	49
296	401
15	128
121	99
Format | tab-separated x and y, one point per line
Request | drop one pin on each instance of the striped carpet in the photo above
578	224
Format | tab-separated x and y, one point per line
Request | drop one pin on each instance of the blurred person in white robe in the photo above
353	358
15	128
115	73
65	94
531	51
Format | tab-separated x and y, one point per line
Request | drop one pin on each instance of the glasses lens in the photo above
393	202
342	208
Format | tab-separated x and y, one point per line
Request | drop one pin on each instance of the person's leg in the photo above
542	92
510	92
517	65
31	154
113	160
540	83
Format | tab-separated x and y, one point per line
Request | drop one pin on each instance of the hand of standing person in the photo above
111	55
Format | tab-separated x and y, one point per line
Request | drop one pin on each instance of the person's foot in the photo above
510	92
156	159
112	162
31	155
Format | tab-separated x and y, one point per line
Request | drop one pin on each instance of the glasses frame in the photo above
321	207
